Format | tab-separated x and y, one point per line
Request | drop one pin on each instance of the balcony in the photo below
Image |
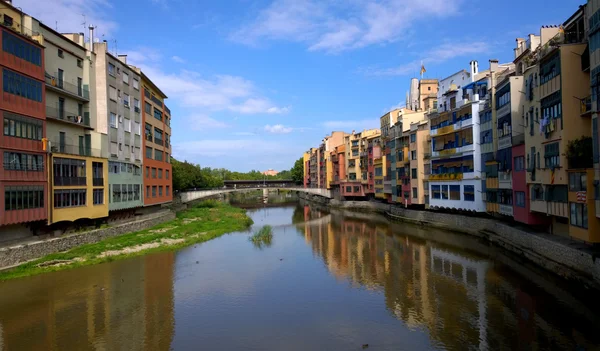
454	151
504	180
458	125
158	141
446	176
586	106
506	210
80	92
68	117
98	181
80	150
504	142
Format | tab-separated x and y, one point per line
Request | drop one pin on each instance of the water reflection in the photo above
125	305
463	300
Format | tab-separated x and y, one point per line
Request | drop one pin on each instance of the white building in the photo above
456	170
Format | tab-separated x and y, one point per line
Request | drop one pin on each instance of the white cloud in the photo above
278	129
203	122
68	15
215	93
335	26
243	133
439	54
177	59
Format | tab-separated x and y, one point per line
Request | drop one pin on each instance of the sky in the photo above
252	84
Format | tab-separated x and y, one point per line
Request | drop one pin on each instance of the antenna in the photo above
84	22
115	41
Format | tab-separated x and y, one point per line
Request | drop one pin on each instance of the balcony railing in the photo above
81	150
156	101
98	181
78	90
68	116
158	141
69	181
148	137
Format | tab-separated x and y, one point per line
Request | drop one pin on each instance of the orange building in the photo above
156	119
23	177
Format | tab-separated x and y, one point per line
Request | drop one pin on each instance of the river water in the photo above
329	281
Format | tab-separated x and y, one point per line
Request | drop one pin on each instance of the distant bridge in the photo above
234	184
192	195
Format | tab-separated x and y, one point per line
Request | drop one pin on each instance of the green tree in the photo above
297	172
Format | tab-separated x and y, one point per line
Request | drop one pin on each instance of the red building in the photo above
521	193
23	176
374	152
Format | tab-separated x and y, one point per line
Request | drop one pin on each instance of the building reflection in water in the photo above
126	305
459	298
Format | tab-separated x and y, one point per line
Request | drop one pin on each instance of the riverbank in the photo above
202	222
564	257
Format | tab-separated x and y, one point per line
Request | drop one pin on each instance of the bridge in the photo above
193	195
275	183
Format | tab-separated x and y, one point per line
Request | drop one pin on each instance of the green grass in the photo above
263	237
205	221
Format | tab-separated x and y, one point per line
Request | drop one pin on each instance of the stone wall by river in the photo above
549	252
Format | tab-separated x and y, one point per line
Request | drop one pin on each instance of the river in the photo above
329	281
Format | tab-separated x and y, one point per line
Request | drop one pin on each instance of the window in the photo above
80	63
136	192
413	155
126	100
69	198
349	189
167	139
158	136
20	85
167	159
116	193
136	105
20	48
413	138
160	173
148	152
160	191
519	163
111	69
23	162
154	173
147	172
157	114
136	84
69	172
127	124
98	196
577	182
118	70
414	193
158	155
138	153
551	155
148	191
22	127
23	197
137	170
154	190
98	173
454	192
520	198
444	192
469	192
147	107
166	174
435	190
167	190
61	54
125	77
137	128
148	132
413	173
112	93
578	215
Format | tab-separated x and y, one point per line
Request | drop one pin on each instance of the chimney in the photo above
472	71
123	58
91	28
493	65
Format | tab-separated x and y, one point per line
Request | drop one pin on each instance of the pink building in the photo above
270	172
521	194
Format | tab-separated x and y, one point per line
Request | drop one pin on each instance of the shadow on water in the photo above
329	281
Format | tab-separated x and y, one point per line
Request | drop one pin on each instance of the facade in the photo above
455	180
355	144
419	146
156	119
78	181
593	20
118	96
373	153
23	176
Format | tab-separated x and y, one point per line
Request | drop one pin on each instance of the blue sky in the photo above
253	84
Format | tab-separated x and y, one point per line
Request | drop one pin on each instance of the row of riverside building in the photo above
517	140
85	135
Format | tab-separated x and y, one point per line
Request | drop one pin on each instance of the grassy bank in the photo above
205	221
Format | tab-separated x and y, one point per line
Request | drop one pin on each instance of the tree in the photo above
297	172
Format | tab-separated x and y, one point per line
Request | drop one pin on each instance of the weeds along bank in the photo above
199	223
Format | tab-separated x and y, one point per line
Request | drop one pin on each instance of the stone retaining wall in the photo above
14	255
546	251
